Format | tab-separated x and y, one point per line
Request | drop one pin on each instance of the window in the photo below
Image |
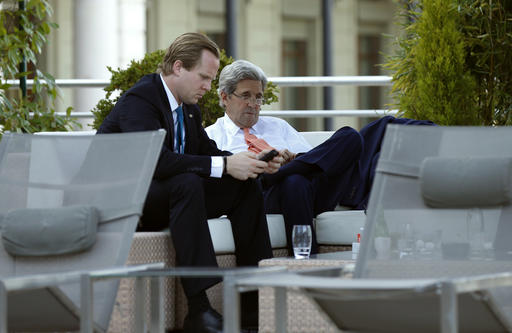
219	38
295	64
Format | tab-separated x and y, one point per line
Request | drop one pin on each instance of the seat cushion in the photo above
314	138
222	236
339	227
276	230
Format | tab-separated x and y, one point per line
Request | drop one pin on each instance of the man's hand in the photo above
274	164
287	156
245	165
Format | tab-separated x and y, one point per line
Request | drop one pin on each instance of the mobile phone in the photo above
268	156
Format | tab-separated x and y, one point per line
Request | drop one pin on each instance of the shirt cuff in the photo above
217	167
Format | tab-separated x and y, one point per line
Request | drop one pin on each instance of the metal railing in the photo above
281	81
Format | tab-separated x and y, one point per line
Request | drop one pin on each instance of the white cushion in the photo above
332	228
314	138
339	227
222	235
276	230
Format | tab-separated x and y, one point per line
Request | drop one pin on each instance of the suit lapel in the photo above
166	110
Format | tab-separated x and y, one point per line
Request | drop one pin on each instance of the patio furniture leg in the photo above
231	306
3	308
449	310
86	292
139	304
157	307
281	316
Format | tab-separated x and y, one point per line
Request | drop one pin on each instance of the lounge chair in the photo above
69	204
436	252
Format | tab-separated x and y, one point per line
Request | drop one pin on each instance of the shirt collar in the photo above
172	101
258	127
231	128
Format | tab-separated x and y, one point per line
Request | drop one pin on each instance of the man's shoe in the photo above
209	321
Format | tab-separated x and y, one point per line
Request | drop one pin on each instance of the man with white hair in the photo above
310	180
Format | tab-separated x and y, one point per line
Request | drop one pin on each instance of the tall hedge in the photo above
453	62
487	25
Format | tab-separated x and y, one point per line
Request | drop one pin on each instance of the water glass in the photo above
301	241
383	247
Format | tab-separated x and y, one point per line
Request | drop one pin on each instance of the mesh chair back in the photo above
440	206
111	172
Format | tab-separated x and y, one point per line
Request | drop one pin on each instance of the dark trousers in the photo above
185	202
300	197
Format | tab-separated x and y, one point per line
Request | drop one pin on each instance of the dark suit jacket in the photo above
145	107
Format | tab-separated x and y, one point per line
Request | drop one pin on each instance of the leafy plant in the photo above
453	63
23	33
488	27
124	79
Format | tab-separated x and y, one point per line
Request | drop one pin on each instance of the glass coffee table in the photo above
156	273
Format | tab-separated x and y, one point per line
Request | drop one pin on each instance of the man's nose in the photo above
252	102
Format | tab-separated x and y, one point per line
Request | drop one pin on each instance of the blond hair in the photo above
188	49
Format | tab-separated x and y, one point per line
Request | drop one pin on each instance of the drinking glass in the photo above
383	247
301	241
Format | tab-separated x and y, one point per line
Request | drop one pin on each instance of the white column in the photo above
96	47
132	29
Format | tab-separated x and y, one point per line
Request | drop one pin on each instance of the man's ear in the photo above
177	67
223	97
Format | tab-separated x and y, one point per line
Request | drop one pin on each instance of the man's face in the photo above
194	83
243	106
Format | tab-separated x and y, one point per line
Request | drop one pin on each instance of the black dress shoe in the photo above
209	321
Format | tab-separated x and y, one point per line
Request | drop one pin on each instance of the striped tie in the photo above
255	145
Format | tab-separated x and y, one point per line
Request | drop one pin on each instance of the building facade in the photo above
284	37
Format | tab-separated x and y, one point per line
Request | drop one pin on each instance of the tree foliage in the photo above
487	26
453	62
123	79
23	33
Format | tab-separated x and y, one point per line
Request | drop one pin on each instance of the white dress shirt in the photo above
275	131
217	163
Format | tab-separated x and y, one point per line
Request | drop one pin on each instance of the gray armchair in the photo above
68	204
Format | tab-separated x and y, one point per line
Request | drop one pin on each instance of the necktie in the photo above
255	145
179	131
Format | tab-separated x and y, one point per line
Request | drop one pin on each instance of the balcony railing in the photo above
295	81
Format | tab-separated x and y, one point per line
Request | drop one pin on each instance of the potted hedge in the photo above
453	62
24	28
123	79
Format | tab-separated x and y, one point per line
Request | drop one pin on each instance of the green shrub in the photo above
487	26
453	63
124	79
23	34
